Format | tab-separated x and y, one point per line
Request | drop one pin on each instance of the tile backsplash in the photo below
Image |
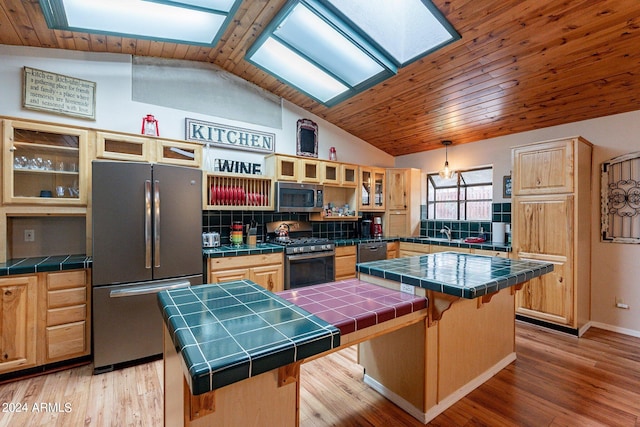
220	221
501	212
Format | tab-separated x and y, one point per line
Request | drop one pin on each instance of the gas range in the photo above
308	260
298	240
299	245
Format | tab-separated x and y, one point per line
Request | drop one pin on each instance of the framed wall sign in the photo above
55	93
506	187
307	137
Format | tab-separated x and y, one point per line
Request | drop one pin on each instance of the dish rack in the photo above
230	192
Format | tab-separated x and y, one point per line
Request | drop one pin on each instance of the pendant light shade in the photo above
446	172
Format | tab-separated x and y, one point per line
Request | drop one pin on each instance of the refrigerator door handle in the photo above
156	228
145	290
147	224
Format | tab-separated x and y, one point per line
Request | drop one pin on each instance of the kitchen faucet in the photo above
446	231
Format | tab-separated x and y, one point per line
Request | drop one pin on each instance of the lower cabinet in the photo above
44	318
18	322
267	270
392	249
345	262
67	330
412	249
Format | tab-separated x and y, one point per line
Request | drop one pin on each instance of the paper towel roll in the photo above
498	232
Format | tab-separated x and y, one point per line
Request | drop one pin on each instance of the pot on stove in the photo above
282	232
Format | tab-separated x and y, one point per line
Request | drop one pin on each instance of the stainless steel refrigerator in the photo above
147	225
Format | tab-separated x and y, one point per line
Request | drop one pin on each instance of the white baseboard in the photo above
434	411
617	329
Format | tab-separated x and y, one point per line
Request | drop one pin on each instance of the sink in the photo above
442	239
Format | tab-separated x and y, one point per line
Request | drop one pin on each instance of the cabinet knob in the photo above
12	149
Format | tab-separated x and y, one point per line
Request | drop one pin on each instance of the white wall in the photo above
615	268
117	112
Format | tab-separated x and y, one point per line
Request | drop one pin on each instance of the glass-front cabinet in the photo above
44	164
372	191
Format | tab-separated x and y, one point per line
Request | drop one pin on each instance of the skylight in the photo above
334	49
199	22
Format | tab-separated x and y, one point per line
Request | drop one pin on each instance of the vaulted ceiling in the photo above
520	65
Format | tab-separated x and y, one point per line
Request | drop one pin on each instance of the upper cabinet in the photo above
44	164
402	216
120	146
544	168
371	196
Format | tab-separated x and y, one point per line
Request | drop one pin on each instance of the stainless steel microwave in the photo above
295	197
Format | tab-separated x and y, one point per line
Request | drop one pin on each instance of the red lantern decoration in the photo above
150	126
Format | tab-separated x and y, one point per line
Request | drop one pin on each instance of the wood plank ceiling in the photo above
520	65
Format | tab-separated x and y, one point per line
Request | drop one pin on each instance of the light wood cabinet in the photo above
392	250
543	168
551	216
282	168
267	270
18	322
128	147
348	175
402	215
44	318
330	173
345	262
406	249
371	195
44	164
67	330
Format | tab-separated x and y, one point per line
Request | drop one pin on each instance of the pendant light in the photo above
446	173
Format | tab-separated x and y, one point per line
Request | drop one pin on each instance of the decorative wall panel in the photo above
620	199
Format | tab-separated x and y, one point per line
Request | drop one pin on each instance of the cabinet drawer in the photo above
66	279
58	316
66	340
66	297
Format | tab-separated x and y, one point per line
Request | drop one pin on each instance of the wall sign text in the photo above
224	136
60	94
234	166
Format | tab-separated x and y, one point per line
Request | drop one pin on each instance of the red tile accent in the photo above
352	305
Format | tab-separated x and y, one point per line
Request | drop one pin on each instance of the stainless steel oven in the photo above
308	260
308	269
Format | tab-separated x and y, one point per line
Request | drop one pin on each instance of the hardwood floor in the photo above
557	380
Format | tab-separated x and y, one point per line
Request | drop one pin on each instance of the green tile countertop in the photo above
44	264
458	274
488	246
232	331
232	250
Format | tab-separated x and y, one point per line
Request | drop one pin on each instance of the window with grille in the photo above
466	196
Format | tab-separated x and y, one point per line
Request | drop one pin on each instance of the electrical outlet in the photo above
407	289
29	235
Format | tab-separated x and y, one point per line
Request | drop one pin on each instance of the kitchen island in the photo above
233	350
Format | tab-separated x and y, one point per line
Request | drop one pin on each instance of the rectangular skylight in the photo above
347	46
405	29
185	21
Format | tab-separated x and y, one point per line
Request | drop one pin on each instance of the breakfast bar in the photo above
232	351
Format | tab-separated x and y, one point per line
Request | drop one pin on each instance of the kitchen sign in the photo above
60	94
231	137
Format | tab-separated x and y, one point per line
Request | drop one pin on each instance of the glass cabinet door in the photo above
44	164
365	189
372	189
378	189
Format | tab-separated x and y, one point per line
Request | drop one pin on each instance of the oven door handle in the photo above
310	255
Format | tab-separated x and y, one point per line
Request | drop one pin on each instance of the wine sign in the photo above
234	166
